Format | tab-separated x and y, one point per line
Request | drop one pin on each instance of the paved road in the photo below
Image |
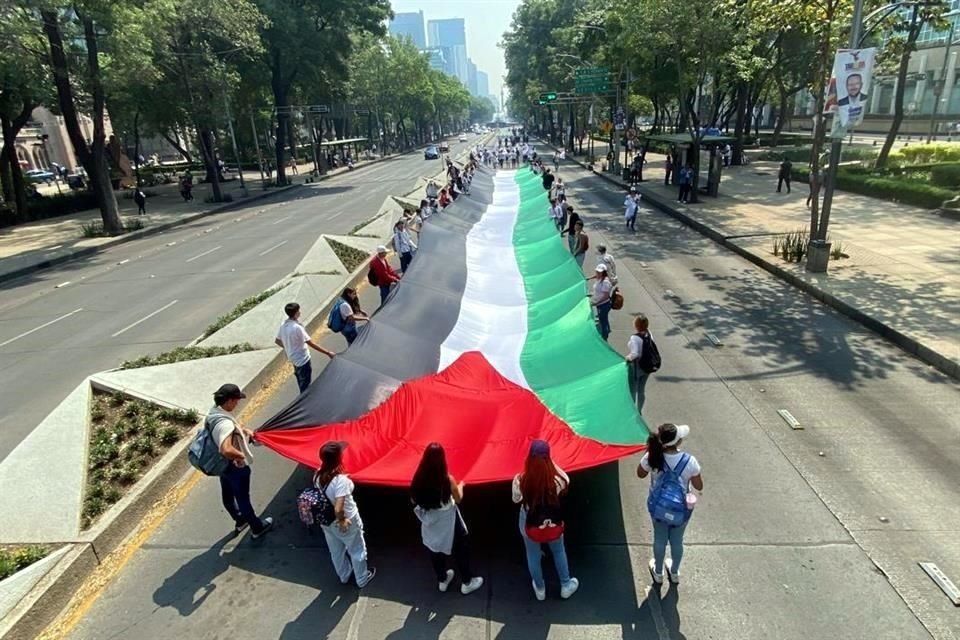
146	296
785	544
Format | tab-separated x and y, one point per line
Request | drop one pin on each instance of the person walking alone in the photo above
436	496
786	172
294	339
234	443
667	170
686	183
403	245
539	490
141	199
602	290
344	536
670	501
630	206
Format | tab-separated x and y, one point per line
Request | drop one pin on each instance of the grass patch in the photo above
126	437
349	256
181	354
900	189
792	247
244	306
353	232
15	558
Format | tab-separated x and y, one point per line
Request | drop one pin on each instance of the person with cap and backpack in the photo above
339	517
670	501
294	340
222	448
345	315
643	358
539	490
381	274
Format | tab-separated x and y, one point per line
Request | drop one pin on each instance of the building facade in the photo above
436	58
471	77
409	25
483	83
450	36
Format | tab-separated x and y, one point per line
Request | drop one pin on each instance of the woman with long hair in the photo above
538	491
436	497
670	502
351	313
348	549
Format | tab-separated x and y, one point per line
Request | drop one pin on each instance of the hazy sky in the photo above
486	20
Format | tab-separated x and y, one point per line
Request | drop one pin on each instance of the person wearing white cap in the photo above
670	501
382	274
630	206
602	290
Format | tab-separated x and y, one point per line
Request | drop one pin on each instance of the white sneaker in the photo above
674	577
446	583
569	588
267	525
469	587
657	577
540	593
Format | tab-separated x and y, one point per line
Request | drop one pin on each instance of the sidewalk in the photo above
902	276
37	245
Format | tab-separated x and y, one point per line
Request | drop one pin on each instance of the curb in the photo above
914	347
166	226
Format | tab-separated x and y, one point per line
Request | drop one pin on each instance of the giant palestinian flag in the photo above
487	343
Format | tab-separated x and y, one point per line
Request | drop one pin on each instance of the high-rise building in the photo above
483	84
471	77
410	25
437	60
450	35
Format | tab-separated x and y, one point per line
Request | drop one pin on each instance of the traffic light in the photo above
548	97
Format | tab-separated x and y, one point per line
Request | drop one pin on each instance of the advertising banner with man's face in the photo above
849	88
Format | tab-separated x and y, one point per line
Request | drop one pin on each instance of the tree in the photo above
481	109
900	47
82	23
23	87
310	40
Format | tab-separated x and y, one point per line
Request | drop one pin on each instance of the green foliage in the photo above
13	559
134	433
792	247
925	154
349	256
244	306
910	192
945	175
181	354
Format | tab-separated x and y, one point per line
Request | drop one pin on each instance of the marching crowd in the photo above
222	447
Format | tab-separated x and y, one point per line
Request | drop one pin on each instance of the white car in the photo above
463	137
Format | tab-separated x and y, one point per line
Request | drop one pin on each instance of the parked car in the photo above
431	153
444	147
463	137
37	176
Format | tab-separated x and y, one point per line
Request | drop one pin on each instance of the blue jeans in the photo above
384	292
637	378
580	257
662	534
349	332
348	551
603	319
235	492
535	556
303	374
405	259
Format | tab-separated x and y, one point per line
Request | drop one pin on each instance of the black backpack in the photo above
372	276
650	356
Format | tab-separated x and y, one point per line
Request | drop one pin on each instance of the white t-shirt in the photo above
611	264
692	469
635	347
226	427
345	310
341	486
601	291
630	207
294	338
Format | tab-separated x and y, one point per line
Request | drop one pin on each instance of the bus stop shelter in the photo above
681	145
340	147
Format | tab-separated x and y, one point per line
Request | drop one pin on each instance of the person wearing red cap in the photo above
538	491
344	536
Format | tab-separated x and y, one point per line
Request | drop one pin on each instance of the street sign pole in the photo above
256	141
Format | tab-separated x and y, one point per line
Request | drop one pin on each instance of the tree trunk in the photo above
92	158
741	114
174	142
279	85
209	155
17	195
136	146
908	49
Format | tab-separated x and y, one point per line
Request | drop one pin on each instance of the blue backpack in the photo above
667	502
335	321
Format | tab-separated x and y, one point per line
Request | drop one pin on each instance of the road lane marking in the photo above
144	318
205	253
353	632
45	324
61	285
276	246
789	419
280	220
122	262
